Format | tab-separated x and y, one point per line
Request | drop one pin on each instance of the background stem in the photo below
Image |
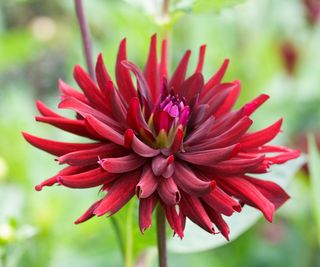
86	39
161	235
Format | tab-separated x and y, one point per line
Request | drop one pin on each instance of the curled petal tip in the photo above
38	187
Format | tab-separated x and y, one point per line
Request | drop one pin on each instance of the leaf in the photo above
314	167
197	240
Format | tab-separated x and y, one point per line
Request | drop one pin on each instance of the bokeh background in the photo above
273	47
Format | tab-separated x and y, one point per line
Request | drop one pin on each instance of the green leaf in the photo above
197	240
314	167
200	6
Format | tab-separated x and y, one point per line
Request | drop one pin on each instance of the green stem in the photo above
128	255
162	238
118	234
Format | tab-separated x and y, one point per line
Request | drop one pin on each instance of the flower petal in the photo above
201	59
151	70
248	194
119	193
148	183
221	202
168	191
89	213
174	219
192	207
123	76
122	164
208	157
102	75
261	137
180	73
57	148
189	182
192	86
217	219
104	130
87	179
146	207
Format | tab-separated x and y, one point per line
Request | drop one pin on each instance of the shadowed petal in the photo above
188	182
221	202
89	213
217	219
147	184
102	75
168	191
193	209
119	193
248	194
174	219
146	207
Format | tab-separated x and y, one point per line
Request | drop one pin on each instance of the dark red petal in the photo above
46	111
250	107
89	87
89	213
151	69
102	75
68	91
122	164
91	156
139	147
217	77
192	207
119	193
104	130
201	58
168	191
237	166
87	179
180	73
273	192
248	194
177	141
189	182
123	76
230	100
208	157
200	132
66	171
136	119
85	110
221	202
77	127
163	60
146	207
160	164
147	184
260	137
174	219
118	109
57	148
192	86
217	219
143	87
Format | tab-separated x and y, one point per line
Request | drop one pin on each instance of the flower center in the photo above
170	117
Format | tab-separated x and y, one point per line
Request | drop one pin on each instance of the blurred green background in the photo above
273	47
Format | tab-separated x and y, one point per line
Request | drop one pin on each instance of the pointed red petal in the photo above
168	191
146	207
123	76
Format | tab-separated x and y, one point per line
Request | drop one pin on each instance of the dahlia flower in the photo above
172	141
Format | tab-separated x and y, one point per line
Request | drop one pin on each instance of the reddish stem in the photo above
85	34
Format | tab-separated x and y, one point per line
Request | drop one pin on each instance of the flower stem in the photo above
161	235
85	34
128	259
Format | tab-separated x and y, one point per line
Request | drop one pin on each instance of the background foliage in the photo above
40	42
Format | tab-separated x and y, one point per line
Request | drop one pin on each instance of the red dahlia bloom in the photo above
172	141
